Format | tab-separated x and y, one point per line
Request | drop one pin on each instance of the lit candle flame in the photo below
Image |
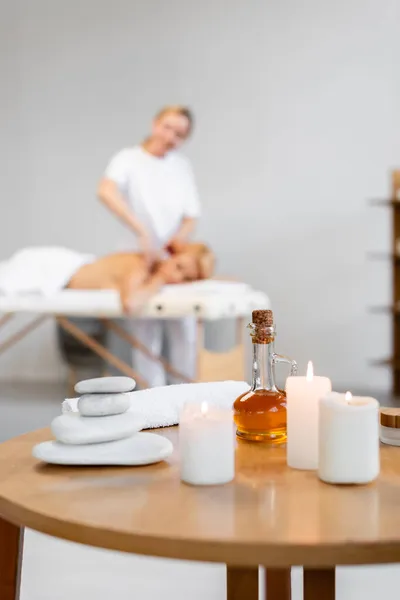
204	408
348	397
310	371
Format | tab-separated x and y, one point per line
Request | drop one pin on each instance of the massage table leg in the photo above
135	343
5	318
76	332
96	347
88	341
219	366
19	335
211	366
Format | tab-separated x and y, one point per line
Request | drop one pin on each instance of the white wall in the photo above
297	109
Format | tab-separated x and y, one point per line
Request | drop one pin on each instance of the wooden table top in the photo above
270	515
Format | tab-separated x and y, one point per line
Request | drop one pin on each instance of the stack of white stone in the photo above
103	404
103	431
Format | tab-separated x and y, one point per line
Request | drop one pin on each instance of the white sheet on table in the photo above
106	303
40	270
208	286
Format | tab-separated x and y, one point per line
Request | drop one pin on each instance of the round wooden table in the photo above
270	515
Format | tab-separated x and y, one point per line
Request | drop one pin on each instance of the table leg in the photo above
242	584
318	584
278	584
11	542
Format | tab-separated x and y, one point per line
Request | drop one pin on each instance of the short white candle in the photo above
348	439
302	405
207	444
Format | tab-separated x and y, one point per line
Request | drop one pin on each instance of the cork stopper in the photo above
263	331
263	318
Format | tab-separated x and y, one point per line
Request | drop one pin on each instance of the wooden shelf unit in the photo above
393	311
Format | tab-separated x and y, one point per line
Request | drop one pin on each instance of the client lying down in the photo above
130	275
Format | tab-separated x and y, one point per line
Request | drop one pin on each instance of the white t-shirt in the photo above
160	191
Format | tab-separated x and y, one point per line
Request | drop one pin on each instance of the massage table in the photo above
206	301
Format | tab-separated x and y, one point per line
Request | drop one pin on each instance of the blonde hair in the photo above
178	109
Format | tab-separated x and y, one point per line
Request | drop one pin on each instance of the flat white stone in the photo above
102	405
72	428
105	385
139	449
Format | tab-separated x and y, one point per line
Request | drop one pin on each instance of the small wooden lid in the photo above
390	417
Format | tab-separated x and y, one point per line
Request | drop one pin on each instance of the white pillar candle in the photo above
302	406
348	439
207	444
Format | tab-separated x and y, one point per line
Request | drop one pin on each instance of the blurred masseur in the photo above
151	188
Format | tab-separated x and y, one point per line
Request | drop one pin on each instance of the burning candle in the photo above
207	444
348	439
303	395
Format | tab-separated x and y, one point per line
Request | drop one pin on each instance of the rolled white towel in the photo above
161	406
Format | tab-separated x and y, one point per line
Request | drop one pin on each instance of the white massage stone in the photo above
102	405
139	449
105	385
72	428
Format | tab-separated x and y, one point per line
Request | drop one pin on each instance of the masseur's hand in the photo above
181	238
176	245
146	248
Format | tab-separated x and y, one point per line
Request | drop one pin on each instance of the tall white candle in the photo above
207	444
302	405
348	439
